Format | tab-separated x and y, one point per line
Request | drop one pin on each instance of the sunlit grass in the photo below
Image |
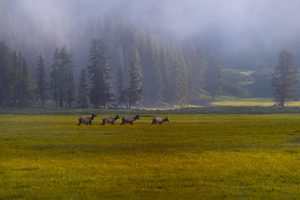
191	157
234	101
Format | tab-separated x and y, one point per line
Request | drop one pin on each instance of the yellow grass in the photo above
250	102
191	157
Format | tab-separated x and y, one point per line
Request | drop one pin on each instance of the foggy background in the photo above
244	34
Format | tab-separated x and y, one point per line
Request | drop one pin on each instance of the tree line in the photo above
18	90
170	73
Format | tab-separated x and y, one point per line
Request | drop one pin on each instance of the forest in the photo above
39	63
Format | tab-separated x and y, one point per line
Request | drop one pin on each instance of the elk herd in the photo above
130	120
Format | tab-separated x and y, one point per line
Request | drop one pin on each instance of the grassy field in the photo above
234	101
191	157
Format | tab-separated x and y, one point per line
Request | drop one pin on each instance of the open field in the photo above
191	157
234	101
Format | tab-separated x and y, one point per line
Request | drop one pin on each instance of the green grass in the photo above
191	157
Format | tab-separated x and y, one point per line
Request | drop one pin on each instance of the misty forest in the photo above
98	54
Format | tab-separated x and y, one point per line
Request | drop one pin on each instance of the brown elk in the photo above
110	120
159	120
129	120
86	120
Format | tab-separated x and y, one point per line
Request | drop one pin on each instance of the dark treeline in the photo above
137	68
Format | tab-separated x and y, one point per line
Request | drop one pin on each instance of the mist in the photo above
254	30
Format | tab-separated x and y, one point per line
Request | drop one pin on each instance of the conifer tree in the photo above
18	68
41	81
120	87
98	71
165	71
61	83
27	93
135	89
196	65
6	75
213	76
66	86
181	80
54	77
158	76
68	66
283	78
17	76
82	100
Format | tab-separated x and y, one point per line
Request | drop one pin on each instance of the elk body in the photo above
86	120
159	120
129	120
110	120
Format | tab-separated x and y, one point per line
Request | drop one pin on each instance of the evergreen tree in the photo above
148	62
135	90
17	63
61	83
120	76
54	77
6	77
18	68
283	78
120	87
165	71
68	66
82	100
98	71
196	64
213	76
158	75
181	81
41	81
27	93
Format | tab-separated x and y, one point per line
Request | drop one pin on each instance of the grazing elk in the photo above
129	119
110	120
159	120
86	120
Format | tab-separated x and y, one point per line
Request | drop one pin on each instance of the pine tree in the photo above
213	76
181	81
158	76
41	81
27	93
149	69
135	90
54	77
165	71
120	87
18	89
82	100
61	83
283	78
196	64
6	77
98	71
17	77
68	66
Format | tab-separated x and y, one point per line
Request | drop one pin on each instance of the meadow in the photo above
194	156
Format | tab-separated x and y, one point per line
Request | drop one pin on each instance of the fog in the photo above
246	34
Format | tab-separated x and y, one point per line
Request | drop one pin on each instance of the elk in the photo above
129	119
86	120
159	120
110	120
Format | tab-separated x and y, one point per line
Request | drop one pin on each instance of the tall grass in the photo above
191	157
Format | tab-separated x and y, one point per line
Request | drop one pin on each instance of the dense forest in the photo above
162	71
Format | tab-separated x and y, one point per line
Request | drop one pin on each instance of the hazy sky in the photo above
225	27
